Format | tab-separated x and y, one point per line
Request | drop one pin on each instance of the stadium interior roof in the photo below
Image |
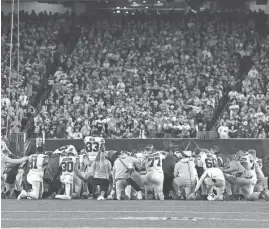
128	4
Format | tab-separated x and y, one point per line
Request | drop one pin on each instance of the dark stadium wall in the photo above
227	146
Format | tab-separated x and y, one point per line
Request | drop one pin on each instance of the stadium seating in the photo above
144	76
38	39
247	113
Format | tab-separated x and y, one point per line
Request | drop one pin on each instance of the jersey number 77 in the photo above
154	161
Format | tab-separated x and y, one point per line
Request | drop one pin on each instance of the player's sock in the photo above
68	189
139	195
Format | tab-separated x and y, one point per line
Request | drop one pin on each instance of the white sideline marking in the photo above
139	218
90	228
149	211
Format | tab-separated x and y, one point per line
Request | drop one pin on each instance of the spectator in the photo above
223	131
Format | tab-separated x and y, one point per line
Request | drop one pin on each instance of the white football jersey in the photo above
67	149
208	160
153	162
215	173
37	161
68	164
93	145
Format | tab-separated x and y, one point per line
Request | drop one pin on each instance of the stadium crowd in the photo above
139	76
146	77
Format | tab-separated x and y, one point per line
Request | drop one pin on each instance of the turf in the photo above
133	214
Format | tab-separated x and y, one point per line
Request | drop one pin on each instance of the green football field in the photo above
133	214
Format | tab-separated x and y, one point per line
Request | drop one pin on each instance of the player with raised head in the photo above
93	145
154	177
37	163
248	179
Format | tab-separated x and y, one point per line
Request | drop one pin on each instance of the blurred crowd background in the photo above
147	75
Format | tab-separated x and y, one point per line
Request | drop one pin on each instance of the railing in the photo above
16	142
207	135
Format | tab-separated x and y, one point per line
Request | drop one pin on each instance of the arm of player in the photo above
78	173
176	169
113	174
232	168
200	181
16	161
86	161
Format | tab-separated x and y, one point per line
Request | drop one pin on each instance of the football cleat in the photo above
265	194
123	196
109	197
161	196
211	197
173	196
101	197
23	195
134	198
52	196
192	196
203	197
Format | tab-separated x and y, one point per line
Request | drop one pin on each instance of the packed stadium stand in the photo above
146	75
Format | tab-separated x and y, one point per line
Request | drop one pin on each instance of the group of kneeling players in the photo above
94	173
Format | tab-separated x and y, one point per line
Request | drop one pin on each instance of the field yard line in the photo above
86	228
139	218
137	211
